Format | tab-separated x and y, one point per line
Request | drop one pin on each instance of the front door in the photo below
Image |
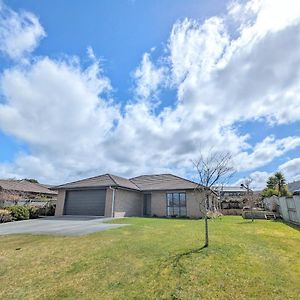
147	205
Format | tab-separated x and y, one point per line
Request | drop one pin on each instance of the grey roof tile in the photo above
294	186
25	186
100	181
163	182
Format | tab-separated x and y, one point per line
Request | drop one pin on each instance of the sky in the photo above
141	87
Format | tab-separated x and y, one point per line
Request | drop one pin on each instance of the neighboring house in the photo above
294	187
231	197
17	191
113	196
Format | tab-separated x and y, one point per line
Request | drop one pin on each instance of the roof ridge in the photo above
82	180
134	183
111	177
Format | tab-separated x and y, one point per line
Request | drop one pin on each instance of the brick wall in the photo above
128	203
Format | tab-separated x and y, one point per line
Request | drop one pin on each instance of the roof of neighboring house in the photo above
25	186
100	181
140	183
163	182
294	186
229	188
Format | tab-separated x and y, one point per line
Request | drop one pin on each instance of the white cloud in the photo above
148	78
265	151
291	169
20	33
73	129
258	180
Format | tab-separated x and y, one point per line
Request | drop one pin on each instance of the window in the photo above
176	204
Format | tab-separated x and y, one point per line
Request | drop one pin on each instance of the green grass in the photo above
156	259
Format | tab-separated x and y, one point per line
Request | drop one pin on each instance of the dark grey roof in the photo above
140	183
25	186
294	186
100	181
162	182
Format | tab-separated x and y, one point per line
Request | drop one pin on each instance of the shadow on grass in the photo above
246	222
179	256
174	261
294	226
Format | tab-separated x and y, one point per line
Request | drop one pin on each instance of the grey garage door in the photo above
89	202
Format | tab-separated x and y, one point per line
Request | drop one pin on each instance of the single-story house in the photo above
114	196
231	197
14	191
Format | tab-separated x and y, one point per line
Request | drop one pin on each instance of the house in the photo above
114	196
23	191
231	197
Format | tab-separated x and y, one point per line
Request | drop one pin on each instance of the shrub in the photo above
51	210
5	216
213	215
33	212
19	212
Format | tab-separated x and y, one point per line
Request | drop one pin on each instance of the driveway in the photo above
66	225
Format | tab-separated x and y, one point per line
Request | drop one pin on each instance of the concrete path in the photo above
66	225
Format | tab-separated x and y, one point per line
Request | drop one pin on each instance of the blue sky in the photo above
157	83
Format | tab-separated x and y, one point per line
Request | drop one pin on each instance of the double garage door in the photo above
85	202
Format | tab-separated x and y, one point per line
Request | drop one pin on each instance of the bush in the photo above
213	215
33	212
51	210
19	212
5	216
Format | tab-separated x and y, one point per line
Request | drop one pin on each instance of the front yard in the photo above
156	259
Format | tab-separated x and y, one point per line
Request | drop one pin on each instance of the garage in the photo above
85	202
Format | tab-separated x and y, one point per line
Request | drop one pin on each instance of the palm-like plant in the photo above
280	182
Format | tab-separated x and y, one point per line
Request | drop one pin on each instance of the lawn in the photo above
156	259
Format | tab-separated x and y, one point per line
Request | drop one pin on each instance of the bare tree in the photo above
252	198
213	169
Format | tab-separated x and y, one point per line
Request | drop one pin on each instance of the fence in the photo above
289	208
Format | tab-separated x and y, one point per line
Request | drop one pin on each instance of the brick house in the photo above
14	191
114	196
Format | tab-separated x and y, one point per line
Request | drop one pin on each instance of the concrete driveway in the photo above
66	225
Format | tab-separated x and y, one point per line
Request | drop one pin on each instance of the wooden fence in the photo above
289	208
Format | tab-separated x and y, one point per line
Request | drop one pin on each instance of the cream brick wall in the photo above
59	210
108	203
128	203
158	203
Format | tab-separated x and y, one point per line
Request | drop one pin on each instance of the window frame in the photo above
171	203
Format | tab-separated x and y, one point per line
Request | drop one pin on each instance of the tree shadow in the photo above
246	221
177	258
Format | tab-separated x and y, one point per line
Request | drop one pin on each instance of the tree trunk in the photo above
206	221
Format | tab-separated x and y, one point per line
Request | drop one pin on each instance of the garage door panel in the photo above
89	202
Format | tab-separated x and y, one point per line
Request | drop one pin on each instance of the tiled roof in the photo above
229	188
294	186
100	181
140	183
25	186
163	182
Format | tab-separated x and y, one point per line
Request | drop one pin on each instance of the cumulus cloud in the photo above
265	151
258	180
20	33
291	169
148	78
222	75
